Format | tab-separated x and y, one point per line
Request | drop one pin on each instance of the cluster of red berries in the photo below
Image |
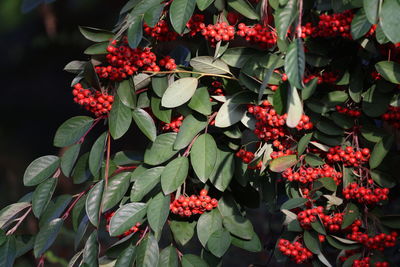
349	156
332	222
125	61
233	17
97	103
216	88
309	216
168	63
334	25
365	195
160	32
188	206
348	111
194	24
218	32
365	262
295	251
173	126
263	36
392	116
132	230
307	175
246	156
324	77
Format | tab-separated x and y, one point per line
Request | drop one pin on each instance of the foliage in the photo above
290	105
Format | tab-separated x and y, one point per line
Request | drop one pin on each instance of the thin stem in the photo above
191	72
187	151
78	197
299	32
143	235
122	169
210	119
107	159
88	131
20	220
41	261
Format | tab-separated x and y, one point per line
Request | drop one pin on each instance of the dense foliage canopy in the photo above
289	105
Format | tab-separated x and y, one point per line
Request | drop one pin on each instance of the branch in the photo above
20	220
79	196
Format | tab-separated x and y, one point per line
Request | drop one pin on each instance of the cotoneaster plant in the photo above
291	106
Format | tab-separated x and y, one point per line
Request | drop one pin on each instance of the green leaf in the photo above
328	183
46	236
342	120
203	156
285	17
208	223
328	127
303	143
191	126
161	150
351	214
120	118
54	209
96	35
339	245
152	16
224	170
179	92
360	24
191	260
237	56
157	212
145	183
69	158
280	98
3	237
126	93
293	203
8	252
160	112
253	245
295	63
147	252
81	172
97	154
42	196
312	242
127	257
318	227
309	89
219	242
382	179
380	151
232	110
145	123
209	65
97	49
182	231
282	163
294	108
117	187
40	169
314	160
389	70
375	103
244	8
174	174
350	260
125	217
239	226
93	202
135	32
371	9
200	101
91	251
72	130
389	20
159	84
180	13
168	257
75	66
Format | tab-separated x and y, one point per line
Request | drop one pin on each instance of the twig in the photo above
192	72
88	131
210	120
187	151
78	197
142	237
20	220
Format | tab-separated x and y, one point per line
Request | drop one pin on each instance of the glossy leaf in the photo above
180	13
125	217
161	150
42	196
293	203
179	92
253	245
147	252
145	183
81	172
380	151
389	21
219	242
244	8
120	118
282	163
182	231
200	101
223	171
117	187
303	143
203	156
312	242
54	209
40	169
208	223
145	123
168	257
294	108
360	24
285	17
135	32
127	257
91	250
8	252
97	153
93	203
191	260
174	174
158	211
295	63
46	236
351	214
8	212
96	35
209	65
160	112
371	9
239	226
69	158
389	70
